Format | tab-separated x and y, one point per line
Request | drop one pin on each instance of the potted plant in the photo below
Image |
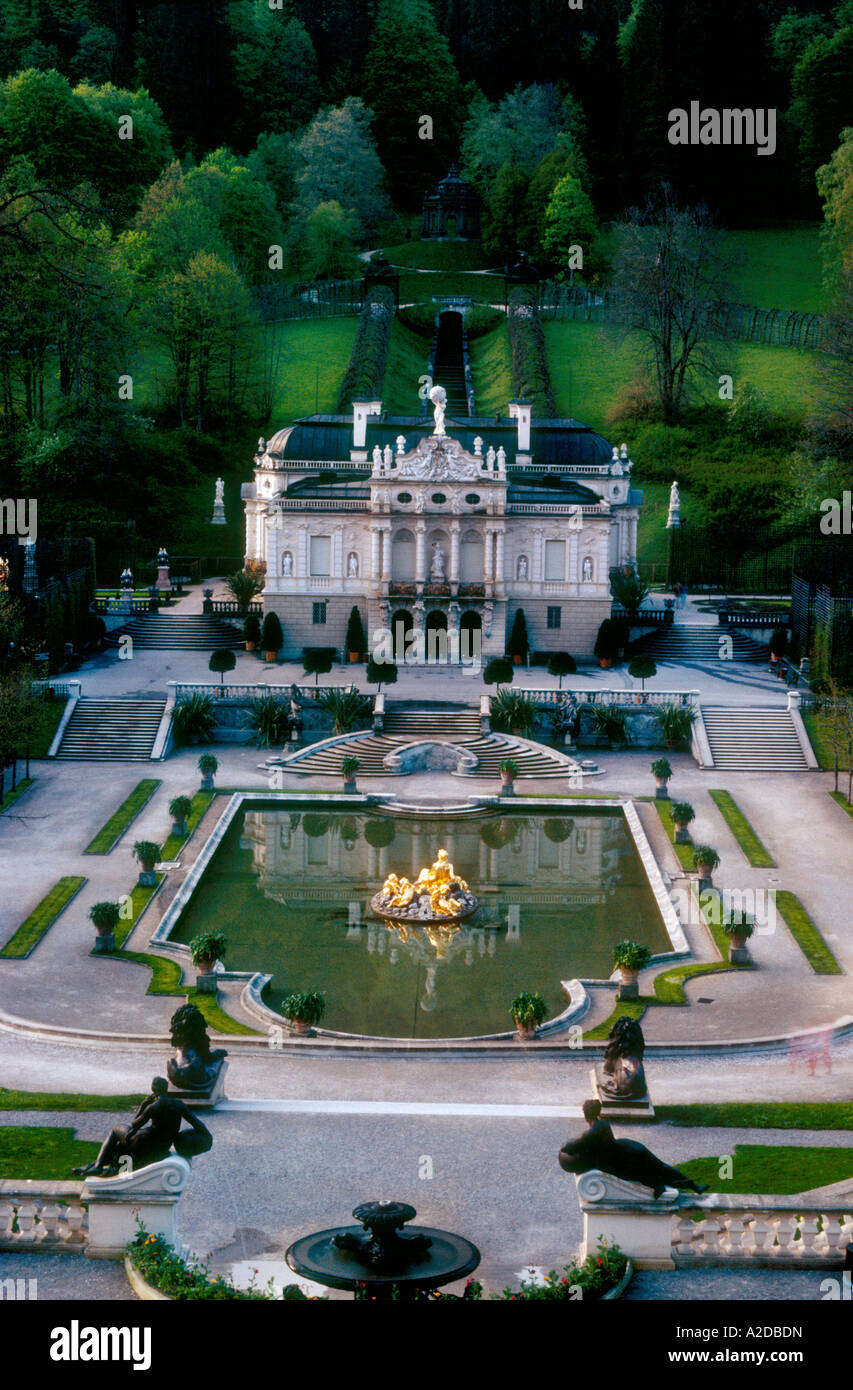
304	1009
661	772
612	722
705	861
179	809
243	587
316	662
675	722
206	949
207	766
738	926
355	642
345	706
381	673
629	958
272	637
193	720
349	767
528	1009
778	645
252	631
682	814
518	645
509	772
147	853
498	671
105	917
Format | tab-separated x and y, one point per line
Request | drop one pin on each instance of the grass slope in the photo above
33	928
65	1100
743	832
491	369
770	1169
781	268
314	356
819	729
768	1114
438	255
110	834
407	363
42	1152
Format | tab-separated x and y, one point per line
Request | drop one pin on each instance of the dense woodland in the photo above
270	143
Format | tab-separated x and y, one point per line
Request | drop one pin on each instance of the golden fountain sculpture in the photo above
438	894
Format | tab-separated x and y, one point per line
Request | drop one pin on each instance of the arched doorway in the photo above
436	635
470	635
402	624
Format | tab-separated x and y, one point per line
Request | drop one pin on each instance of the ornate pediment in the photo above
438	458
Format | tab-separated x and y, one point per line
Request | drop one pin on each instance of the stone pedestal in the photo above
203	1100
628	1215
105	945
621	1109
149	1195
661	793
163	583
739	955
629	991
206	984
682	837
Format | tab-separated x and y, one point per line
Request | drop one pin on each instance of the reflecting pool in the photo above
291	889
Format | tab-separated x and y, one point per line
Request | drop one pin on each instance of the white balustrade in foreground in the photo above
42	1216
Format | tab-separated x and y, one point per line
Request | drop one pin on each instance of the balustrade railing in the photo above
230	608
42	1216
732	617
805	1230
183	690
611	697
121	605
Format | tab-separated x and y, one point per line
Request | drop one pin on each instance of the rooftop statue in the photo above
438	396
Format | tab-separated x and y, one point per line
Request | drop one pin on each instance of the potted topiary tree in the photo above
528	1010
222	660
606	647
356	642
662	772
272	637
561	664
682	814
642	668
179	809
316	662
252	631
629	958
147	853
105	917
509	772
738	926
498	671
705	861
349	767
381	673
304	1009
206	949
517	646
207	766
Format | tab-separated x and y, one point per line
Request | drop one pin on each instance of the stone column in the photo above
538	566
337	557
302	553
376	553
499	557
420	552
454	552
489	556
386	553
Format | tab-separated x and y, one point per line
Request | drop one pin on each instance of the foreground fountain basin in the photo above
292	882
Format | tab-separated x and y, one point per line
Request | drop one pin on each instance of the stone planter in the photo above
661	789
738	953
180	828
704	882
629	987
105	942
271	656
525	1032
516	659
507	787
207	782
301	1027
682	834
147	876
605	663
350	784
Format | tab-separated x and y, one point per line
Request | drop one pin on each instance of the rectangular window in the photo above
319	613
321	555
555	560
554	617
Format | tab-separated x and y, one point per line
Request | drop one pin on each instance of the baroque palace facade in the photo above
440	534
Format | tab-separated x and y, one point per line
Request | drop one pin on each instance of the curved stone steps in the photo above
490	750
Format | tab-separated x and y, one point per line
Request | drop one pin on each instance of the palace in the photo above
432	532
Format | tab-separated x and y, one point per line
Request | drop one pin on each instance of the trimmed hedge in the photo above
531	379
365	371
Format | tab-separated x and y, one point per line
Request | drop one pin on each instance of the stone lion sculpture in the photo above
624	1076
195	1065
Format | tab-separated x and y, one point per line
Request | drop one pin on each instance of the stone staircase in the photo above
186	632
452	724
111	730
681	642
490	750
753	740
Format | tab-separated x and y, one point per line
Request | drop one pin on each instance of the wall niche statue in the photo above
586	571
522	571
352	565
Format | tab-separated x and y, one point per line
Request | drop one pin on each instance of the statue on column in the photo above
674	517
218	518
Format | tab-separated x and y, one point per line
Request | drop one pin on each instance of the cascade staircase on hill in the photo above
105	730
753	740
449	369
681	642
402	727
187	632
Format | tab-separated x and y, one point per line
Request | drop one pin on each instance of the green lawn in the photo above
407	363
769	1114
773	1170
743	832
48	715
841	798
652	536
42	1152
201	801
64	1100
110	834
492	372
33	928
419	287
781	268
806	934
439	255
10	796
314	355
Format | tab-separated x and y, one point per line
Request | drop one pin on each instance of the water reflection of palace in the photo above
511	863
